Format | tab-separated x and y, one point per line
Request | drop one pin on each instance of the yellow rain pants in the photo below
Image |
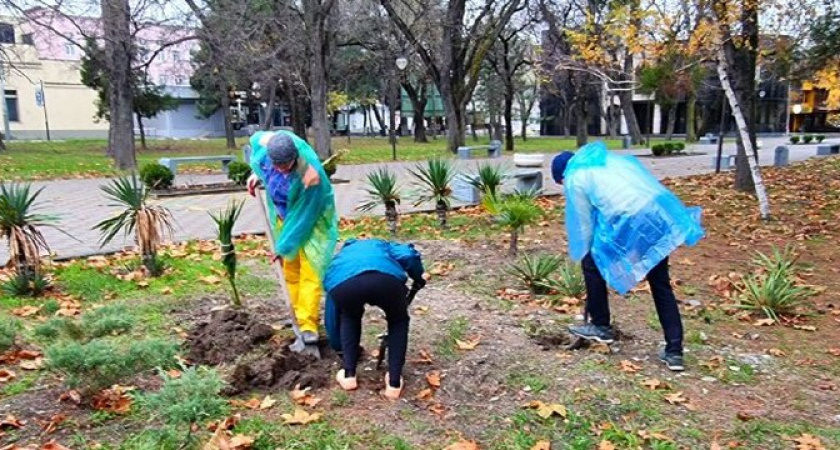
305	290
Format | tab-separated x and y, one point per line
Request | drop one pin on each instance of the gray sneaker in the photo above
590	332
673	361
309	337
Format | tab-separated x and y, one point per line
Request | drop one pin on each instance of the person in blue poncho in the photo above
373	272
622	225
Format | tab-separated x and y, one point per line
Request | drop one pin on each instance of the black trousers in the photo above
659	280
389	294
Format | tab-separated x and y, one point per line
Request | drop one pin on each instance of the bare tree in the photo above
510	57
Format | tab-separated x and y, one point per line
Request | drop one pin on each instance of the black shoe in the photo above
590	332
673	361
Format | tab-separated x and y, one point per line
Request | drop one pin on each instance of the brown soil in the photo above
226	336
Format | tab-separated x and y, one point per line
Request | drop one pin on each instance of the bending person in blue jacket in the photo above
622	224
373	272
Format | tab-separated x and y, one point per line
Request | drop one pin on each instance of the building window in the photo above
69	49
27	39
7	33
179	80
12	105
162	55
176	56
162	80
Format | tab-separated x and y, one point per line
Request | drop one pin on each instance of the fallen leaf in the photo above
52	425
424	394
547	410
764	322
166	291
300	417
211	279
420	310
469	344
142	284
599	347
11	422
28	354
35	364
629	367
834	351
542	445
53	445
463	445
653	384
675	398
253	403
808	442
6	375
221	440
174	374
433	378
425	358
805	327
267	403
303	397
70	396
606	445
241	441
437	409
686	262
744	416
226	424
776	352
26	311
115	400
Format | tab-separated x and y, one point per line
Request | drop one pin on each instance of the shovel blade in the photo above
298	346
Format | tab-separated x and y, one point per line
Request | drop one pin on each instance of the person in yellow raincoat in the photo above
301	208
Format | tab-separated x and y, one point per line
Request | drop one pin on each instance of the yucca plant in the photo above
382	189
569	281
488	179
515	213
147	222
435	181
20	227
534	270
225	220
773	290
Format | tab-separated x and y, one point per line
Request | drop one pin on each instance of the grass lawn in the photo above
86	158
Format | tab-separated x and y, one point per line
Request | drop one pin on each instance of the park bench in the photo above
494	150
172	163
528	180
828	148
708	139
726	162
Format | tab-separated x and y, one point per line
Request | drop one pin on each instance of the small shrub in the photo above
534	271
807	139
569	282
50	307
679	147
50	330
109	320
191	398
101	363
8	332
156	176
819	138
794	139
238	172
515	213
488	179
31	284
658	149
773	289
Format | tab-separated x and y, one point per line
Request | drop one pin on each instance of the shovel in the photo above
298	346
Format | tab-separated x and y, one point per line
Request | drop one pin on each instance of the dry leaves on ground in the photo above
834	351
211	280
53	445
463	445
222	440
629	367
441	268
425	394
606	445
808	442
34	364
11	422
469	344
654	384
303	397
252	403
6	375
547	410
53	423
115	400
542	445
226	424
425	358
647	435
26	311
776	352
300	417
71	396
433	378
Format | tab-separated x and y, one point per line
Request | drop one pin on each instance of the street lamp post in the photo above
401	63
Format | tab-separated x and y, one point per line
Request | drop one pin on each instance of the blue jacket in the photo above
617	211
401	261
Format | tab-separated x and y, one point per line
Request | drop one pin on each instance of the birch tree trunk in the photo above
743	131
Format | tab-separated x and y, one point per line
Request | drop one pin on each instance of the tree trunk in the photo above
744	134
229	132
455	118
297	111
269	111
581	118
379	119
118	50
514	243
625	98
142	132
691	117
509	118
365	115
418	105
316	17
392	217
672	120
441	209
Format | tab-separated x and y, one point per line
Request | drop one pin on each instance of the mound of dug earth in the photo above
241	341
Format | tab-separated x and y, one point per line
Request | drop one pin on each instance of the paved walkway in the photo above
81	204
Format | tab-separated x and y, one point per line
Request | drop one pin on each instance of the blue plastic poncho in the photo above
310	221
621	214
367	255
